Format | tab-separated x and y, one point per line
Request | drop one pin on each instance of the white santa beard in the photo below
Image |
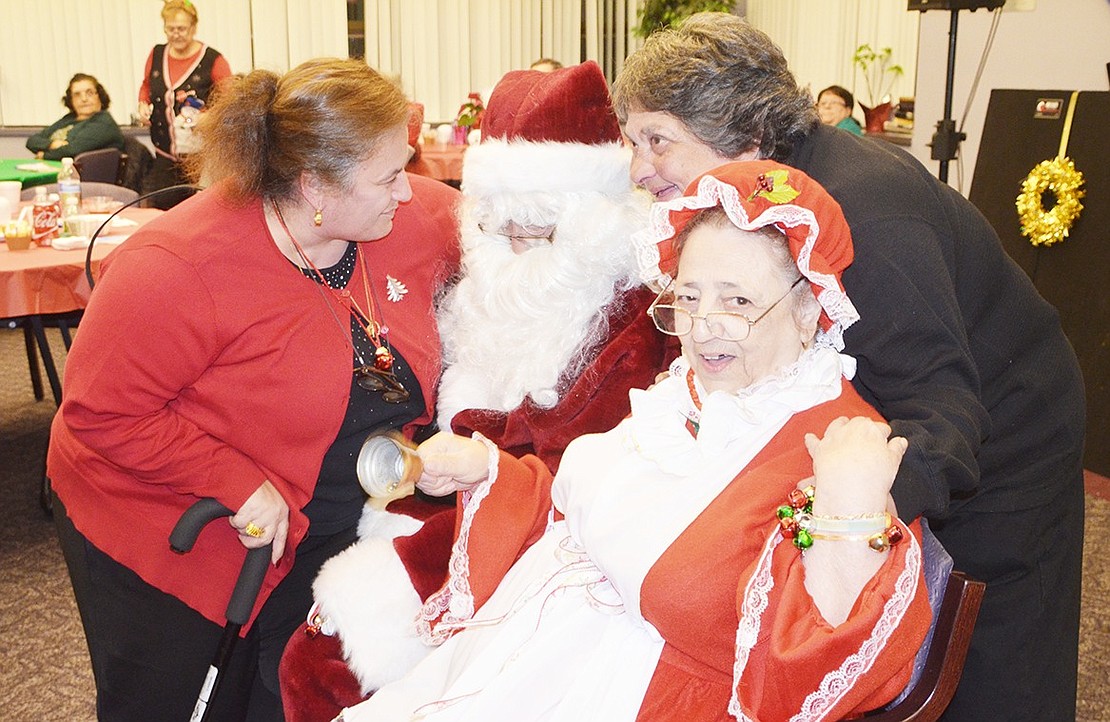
516	325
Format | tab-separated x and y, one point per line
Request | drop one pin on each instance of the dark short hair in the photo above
547	61
67	99
842	93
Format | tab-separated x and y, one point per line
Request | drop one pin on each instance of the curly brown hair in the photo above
324	117
725	80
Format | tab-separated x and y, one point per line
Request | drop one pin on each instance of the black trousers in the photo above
1023	660
164	173
150	652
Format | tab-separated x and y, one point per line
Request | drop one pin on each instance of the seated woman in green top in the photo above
834	107
87	125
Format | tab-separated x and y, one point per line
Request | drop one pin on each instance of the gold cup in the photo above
18	236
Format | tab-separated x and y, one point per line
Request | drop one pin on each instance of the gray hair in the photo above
725	80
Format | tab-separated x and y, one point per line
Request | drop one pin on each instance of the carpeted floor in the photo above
44	669
44	664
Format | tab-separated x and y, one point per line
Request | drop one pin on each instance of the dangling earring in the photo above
318	218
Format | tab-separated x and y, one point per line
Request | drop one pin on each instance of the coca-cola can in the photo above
44	222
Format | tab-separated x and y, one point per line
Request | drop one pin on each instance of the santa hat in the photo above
760	193
548	132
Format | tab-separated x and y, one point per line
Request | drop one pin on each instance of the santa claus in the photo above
543	336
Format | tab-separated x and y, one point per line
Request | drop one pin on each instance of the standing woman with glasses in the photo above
242	347
179	77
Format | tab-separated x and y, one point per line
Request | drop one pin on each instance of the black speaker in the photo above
1023	128
923	5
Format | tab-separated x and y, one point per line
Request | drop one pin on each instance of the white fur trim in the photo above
497	166
366	594
376	523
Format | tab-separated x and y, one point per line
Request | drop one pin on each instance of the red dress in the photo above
720	589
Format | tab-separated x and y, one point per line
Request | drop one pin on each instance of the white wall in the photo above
442	50
1059	44
819	46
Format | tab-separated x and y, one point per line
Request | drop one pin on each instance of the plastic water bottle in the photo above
69	193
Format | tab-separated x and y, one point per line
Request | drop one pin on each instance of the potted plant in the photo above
658	14
879	74
469	117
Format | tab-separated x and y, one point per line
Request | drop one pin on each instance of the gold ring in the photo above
254	530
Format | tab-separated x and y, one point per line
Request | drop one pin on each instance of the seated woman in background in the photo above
87	125
834	107
674	568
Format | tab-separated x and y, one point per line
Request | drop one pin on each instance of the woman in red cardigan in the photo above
242	347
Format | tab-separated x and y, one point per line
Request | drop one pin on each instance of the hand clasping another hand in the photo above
452	463
854	466
263	518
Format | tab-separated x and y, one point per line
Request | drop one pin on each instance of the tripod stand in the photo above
946	140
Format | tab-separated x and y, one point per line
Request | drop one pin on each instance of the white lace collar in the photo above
657	427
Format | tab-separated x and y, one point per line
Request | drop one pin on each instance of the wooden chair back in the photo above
947	652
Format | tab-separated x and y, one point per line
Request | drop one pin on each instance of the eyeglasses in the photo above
725	325
373	378
528	235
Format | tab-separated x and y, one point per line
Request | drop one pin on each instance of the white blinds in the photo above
441	49
819	39
444	49
44	42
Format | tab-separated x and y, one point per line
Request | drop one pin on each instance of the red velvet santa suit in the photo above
372	592
630	358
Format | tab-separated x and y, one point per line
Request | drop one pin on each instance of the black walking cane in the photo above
182	538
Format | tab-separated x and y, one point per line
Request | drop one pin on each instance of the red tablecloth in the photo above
442	162
48	280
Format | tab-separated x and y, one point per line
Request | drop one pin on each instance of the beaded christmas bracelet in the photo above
797	522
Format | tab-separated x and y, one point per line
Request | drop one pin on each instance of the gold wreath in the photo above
1047	227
